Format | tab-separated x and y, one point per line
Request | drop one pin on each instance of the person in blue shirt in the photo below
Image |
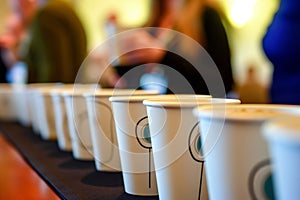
281	44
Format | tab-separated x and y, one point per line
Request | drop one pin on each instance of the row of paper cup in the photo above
155	139
230	159
9	104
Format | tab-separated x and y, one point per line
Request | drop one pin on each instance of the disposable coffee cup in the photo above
21	104
134	141
45	113
179	164
34	103
78	123
236	155
8	111
283	138
61	122
103	132
60	113
45	109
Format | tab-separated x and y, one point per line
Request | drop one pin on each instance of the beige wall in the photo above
130	13
246	42
4	11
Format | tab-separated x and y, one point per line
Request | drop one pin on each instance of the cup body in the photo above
102	124
34	110
61	123
78	124
179	165
134	142
283	138
21	104
60	112
35	105
8	111
236	156
45	113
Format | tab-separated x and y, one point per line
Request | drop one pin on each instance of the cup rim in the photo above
77	92
8	91
59	88
59	91
223	112
283	129
43	84
141	98
108	92
189	103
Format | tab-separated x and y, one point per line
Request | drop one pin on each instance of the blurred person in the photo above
56	43
9	46
161	15
3	69
201	21
281	44
195	19
252	90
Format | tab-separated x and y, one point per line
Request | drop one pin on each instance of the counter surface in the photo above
69	178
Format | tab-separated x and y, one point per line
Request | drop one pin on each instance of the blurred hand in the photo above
140	47
7	41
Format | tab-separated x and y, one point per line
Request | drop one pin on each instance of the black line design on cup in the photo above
194	144
142	134
111	135
261	176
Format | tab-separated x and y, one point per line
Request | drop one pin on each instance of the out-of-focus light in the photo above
239	12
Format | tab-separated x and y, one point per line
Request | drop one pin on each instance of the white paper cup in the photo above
78	122
175	139
33	109
61	122
104	138
21	104
283	138
134	141
34	104
46	114
45	110
60	113
236	156
8	111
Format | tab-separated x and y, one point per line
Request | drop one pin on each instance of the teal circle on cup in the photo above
261	181
199	145
146	134
268	187
195	144
142	133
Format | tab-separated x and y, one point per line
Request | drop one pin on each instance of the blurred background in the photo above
245	21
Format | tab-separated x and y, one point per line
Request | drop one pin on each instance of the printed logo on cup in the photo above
195	149
195	144
142	134
261	181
